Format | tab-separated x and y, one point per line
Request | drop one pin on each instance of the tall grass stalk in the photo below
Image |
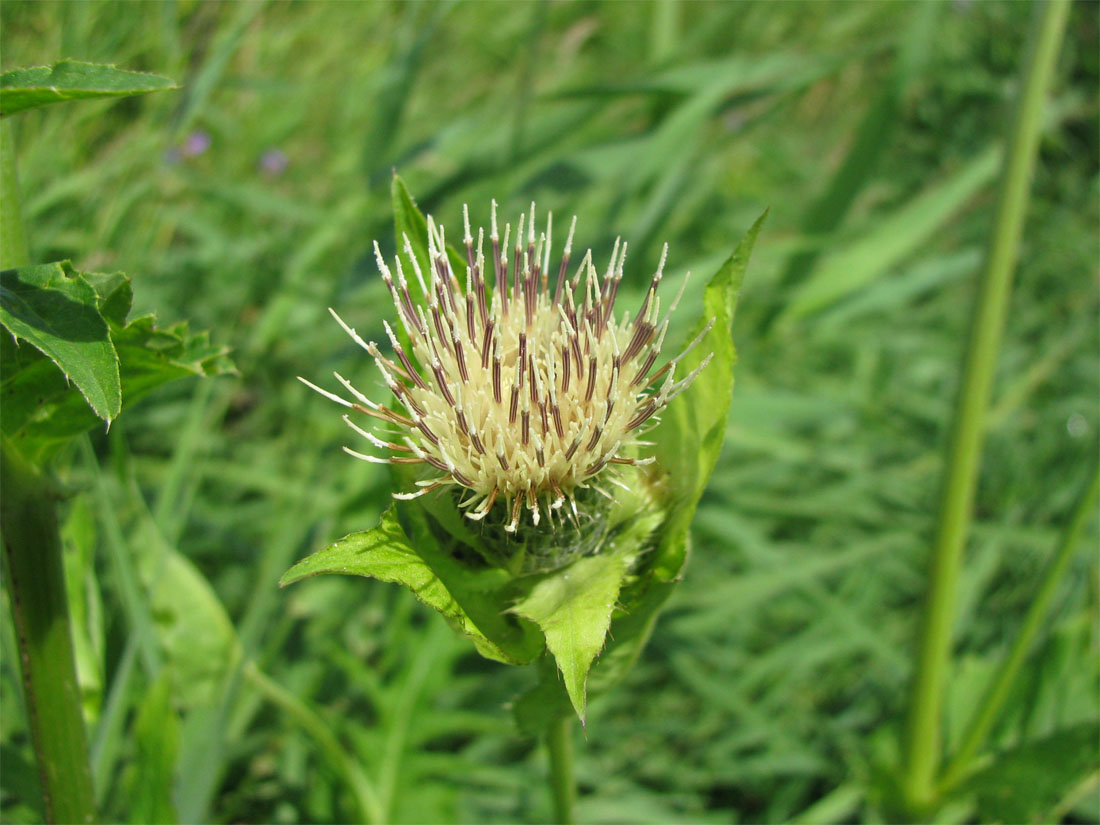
994	698
35	574
923	745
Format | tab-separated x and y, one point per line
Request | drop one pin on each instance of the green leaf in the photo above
689	437
22	89
42	411
632	620
193	630
472	600
1029	782
114	294
382	553
157	741
573	608
53	308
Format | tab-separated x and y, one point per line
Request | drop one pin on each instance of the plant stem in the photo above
994	698
563	786
13	237
36	589
923	745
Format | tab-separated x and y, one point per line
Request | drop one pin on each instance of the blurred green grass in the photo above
773	685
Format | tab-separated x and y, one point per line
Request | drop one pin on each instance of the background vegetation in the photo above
775	683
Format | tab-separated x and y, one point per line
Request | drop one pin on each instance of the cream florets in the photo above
525	397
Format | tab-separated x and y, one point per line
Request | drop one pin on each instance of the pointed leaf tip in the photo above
573	607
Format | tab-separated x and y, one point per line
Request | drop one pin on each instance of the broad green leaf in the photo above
409	221
1029	782
193	630
689	437
22	89
53	308
573	608
41	410
472	600
157	743
382	553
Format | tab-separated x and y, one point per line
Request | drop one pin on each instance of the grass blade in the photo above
956	501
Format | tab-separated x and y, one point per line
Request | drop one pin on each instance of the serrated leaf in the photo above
55	310
382	553
631	625
22	89
151	356
689	437
573	608
42	410
1028	782
472	600
114	294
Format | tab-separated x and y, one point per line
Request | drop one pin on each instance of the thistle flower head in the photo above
516	384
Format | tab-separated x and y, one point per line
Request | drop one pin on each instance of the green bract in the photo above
518	590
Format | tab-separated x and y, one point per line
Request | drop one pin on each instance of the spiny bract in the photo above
524	397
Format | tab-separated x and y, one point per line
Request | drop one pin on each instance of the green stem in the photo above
36	589
13	237
991	703
559	742
366	797
923	745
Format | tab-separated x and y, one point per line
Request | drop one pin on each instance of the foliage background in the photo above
774	683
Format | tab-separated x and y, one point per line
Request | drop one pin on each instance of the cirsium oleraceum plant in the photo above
547	462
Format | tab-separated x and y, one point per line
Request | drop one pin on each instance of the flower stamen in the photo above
562	356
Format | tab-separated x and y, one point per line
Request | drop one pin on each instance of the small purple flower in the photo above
274	162
196	144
